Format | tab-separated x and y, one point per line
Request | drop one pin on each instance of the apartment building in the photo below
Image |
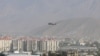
5	43
25	44
48	44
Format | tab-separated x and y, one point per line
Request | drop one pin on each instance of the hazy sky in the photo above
26	15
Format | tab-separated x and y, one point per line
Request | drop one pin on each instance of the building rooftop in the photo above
77	48
21	55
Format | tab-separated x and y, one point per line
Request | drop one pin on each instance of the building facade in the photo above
48	44
24	44
5	43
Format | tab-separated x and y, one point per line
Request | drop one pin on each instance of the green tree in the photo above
51	54
98	52
44	54
64	53
1	54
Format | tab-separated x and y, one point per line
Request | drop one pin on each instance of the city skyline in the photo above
49	27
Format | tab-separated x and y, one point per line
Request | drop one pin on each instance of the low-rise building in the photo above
79	50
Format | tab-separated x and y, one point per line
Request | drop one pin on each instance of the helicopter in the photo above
51	23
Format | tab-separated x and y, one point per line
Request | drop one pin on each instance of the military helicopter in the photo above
51	23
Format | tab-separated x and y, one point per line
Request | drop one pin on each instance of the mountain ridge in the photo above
74	28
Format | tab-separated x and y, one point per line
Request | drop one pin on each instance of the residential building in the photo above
24	44
48	44
5	43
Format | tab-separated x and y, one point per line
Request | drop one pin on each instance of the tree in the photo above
1	54
51	54
98	52
64	53
44	54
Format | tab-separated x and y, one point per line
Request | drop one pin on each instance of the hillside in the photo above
74	28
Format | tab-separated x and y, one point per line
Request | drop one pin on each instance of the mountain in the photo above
72	28
22	16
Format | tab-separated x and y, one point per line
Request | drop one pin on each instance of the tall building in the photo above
30	44
14	45
24	44
49	44
34	44
19	44
5	43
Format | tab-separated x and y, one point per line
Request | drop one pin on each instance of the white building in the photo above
24	44
48	44
5	43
